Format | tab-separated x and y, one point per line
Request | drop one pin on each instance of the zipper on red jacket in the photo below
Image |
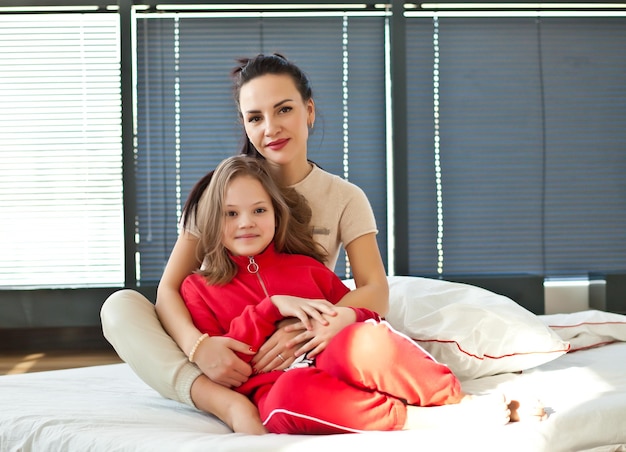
253	268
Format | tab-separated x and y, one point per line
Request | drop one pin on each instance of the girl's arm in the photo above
257	322
372	292
215	355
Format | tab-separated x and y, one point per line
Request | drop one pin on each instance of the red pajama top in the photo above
242	308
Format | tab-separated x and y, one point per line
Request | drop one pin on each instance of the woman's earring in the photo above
311	125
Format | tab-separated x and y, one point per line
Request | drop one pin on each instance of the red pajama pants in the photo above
362	381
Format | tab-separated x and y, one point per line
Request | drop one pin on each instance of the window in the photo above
60	129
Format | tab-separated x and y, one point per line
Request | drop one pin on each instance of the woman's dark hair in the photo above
248	69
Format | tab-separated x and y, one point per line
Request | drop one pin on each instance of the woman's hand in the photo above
314	341
304	309
274	354
267	358
216	358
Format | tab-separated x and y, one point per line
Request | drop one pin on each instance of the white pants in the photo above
130	324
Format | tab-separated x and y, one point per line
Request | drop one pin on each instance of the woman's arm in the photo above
370	278
215	355
170	307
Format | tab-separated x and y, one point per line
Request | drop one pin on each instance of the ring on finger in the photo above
281	357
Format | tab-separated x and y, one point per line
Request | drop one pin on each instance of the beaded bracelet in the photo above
196	345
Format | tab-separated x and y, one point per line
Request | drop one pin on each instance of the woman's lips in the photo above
278	144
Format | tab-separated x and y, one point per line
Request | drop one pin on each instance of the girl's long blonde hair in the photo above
293	216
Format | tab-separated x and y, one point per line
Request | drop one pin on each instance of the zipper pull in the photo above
253	267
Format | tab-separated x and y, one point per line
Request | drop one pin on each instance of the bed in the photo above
575	363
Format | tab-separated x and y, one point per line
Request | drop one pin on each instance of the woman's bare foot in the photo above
532	410
491	409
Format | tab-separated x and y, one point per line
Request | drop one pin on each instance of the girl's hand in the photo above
267	358
216	358
304	309
316	340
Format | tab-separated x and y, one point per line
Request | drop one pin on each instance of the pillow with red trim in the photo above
587	329
473	331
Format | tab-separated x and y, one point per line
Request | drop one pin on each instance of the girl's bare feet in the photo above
231	407
244	418
532	410
491	409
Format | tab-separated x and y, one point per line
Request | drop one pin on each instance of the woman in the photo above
276	106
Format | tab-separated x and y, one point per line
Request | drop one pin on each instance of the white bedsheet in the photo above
107	408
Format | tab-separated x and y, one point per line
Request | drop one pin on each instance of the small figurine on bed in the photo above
261	265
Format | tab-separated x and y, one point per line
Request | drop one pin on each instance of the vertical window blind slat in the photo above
585	85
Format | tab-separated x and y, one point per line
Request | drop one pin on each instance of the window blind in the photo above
60	173
516	145
187	120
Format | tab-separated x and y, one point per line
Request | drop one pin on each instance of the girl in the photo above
276	106
256	246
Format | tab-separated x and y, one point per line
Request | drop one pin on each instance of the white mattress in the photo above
107	408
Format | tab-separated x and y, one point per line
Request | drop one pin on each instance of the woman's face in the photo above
249	221
276	119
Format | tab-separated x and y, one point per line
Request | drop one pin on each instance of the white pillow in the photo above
587	329
473	331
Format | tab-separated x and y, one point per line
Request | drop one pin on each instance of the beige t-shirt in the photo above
341	211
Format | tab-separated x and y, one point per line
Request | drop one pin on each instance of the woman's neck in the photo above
292	173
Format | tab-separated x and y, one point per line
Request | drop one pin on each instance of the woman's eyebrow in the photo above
282	102
278	104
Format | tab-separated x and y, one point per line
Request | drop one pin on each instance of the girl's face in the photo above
276	118
249	221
